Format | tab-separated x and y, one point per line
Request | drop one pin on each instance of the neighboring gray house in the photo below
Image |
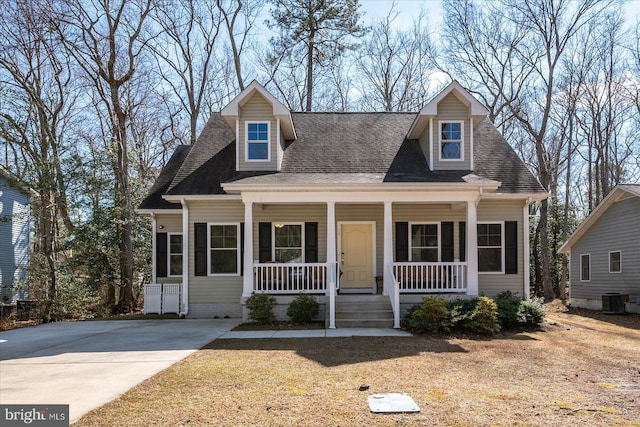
604	251
368	211
15	223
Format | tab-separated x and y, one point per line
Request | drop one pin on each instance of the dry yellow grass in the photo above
578	371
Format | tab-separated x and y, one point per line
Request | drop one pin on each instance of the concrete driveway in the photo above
86	364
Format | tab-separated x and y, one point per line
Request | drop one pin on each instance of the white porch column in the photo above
331	233
525	242
247	283
185	258
154	244
331	261
388	248
472	249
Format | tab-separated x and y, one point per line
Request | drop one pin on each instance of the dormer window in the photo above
258	146
451	141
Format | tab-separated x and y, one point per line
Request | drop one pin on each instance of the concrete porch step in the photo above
363	311
359	323
364	315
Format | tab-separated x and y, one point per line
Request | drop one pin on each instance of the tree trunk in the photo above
310	72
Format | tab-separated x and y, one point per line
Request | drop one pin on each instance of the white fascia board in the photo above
197	197
534	197
359	197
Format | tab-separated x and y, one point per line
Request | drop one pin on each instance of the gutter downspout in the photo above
185	259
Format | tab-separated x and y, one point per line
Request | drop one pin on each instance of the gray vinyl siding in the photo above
258	109
491	284
425	146
15	225
618	229
171	223
451	109
213	289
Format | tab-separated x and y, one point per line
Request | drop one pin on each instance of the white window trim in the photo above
238	243
440	123
581	279
273	237
501	247
169	254
619	271
246	140
411	224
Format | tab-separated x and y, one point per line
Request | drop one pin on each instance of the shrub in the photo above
303	309
485	317
508	305
531	312
432	316
260	308
462	313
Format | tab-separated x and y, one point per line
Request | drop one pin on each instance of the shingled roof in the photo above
341	148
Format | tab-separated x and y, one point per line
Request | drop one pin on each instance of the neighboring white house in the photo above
604	251
368	211
15	223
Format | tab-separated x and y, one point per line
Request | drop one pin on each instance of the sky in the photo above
408	9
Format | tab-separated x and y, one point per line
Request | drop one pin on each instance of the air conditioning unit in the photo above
613	303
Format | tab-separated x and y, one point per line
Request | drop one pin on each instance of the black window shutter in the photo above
511	247
446	240
242	248
402	241
200	246
264	241
161	254
310	242
462	237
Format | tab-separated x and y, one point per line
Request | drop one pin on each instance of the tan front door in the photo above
357	258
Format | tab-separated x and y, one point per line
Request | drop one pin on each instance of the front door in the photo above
356	245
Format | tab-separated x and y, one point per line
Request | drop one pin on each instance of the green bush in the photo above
508	305
485	317
462	313
303	309
432	316
531	312
260	308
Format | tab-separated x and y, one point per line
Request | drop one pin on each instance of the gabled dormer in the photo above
261	124
445	126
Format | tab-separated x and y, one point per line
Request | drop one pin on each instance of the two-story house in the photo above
368	211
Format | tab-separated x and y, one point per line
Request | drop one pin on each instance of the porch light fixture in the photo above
161	227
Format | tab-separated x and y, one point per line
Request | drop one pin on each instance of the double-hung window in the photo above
424	242
451	145
288	243
615	262
585	267
258	141
490	248
175	254
224	249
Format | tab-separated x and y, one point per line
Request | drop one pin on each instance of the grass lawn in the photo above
578	371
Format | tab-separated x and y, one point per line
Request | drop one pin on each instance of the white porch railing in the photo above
423	277
290	278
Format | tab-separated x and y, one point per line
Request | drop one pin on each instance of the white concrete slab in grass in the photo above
392	403
247	335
